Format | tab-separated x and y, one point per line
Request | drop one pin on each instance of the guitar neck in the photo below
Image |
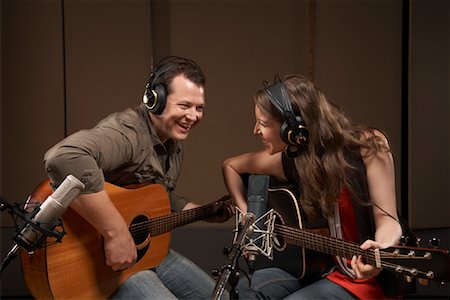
162	224
324	244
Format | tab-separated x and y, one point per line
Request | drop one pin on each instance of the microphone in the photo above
257	195
46	218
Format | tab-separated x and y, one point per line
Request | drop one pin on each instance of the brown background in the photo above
67	64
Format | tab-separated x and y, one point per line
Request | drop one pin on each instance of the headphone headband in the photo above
293	131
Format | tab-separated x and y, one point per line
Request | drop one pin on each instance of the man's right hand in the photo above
120	250
119	247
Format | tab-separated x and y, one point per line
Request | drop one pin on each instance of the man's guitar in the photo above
75	268
426	263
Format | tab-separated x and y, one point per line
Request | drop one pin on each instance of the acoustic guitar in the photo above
75	267
304	243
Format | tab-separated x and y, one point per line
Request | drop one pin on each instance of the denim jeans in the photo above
275	283
175	278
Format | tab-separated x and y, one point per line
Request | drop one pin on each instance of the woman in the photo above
345	176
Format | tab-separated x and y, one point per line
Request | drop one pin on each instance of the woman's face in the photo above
269	132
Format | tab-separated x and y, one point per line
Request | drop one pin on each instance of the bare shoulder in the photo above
375	141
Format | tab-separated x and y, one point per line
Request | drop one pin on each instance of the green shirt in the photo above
122	149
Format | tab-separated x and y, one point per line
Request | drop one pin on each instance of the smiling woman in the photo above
269	131
343	175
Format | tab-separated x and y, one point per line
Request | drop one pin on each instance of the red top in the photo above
362	288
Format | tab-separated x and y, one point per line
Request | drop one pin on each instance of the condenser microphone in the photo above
257	195
50	211
46	217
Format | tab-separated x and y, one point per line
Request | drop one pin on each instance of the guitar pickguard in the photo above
298	261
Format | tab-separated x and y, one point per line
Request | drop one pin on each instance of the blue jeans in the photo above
275	283
175	278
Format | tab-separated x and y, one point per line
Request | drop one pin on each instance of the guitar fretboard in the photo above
162	224
326	244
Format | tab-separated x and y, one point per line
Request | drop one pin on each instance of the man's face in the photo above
184	109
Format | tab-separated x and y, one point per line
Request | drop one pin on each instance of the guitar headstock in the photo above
427	263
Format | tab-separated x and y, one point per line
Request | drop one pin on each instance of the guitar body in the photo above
75	268
299	261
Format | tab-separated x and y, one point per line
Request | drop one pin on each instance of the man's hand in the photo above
120	251
99	211
224	212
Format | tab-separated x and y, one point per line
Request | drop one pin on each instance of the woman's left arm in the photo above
381	182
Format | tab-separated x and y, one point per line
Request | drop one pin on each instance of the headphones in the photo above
155	95
293	131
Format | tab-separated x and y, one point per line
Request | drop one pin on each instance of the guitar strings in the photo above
341	248
349	249
301	237
160	224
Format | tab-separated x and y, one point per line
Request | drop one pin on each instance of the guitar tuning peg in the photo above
423	281
408	279
403	240
226	250
215	273
418	240
434	242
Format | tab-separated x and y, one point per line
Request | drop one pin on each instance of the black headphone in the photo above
155	95
293	131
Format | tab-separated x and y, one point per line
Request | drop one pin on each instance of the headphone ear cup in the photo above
284	131
297	135
156	99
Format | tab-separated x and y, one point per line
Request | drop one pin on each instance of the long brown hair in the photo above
324	167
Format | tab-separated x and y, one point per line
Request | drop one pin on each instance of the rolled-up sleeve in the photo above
86	154
177	202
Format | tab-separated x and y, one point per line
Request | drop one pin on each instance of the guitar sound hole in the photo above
139	229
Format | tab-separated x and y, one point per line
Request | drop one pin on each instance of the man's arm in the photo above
85	154
100	212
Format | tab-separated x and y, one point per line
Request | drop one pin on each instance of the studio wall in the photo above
65	64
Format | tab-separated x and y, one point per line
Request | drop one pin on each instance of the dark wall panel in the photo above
429	114
358	64
65	65
32	92
32	107
108	50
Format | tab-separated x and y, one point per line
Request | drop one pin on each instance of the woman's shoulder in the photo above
374	137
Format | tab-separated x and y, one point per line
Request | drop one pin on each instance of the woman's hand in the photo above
361	269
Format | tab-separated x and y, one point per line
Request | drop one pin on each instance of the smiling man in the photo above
140	145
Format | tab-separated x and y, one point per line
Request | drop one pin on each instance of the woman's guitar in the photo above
426	263
75	268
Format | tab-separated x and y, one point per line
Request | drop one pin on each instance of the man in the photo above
138	145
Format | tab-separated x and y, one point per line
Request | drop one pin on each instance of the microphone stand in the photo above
231	263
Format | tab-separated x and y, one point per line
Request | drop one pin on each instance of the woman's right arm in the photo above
253	163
